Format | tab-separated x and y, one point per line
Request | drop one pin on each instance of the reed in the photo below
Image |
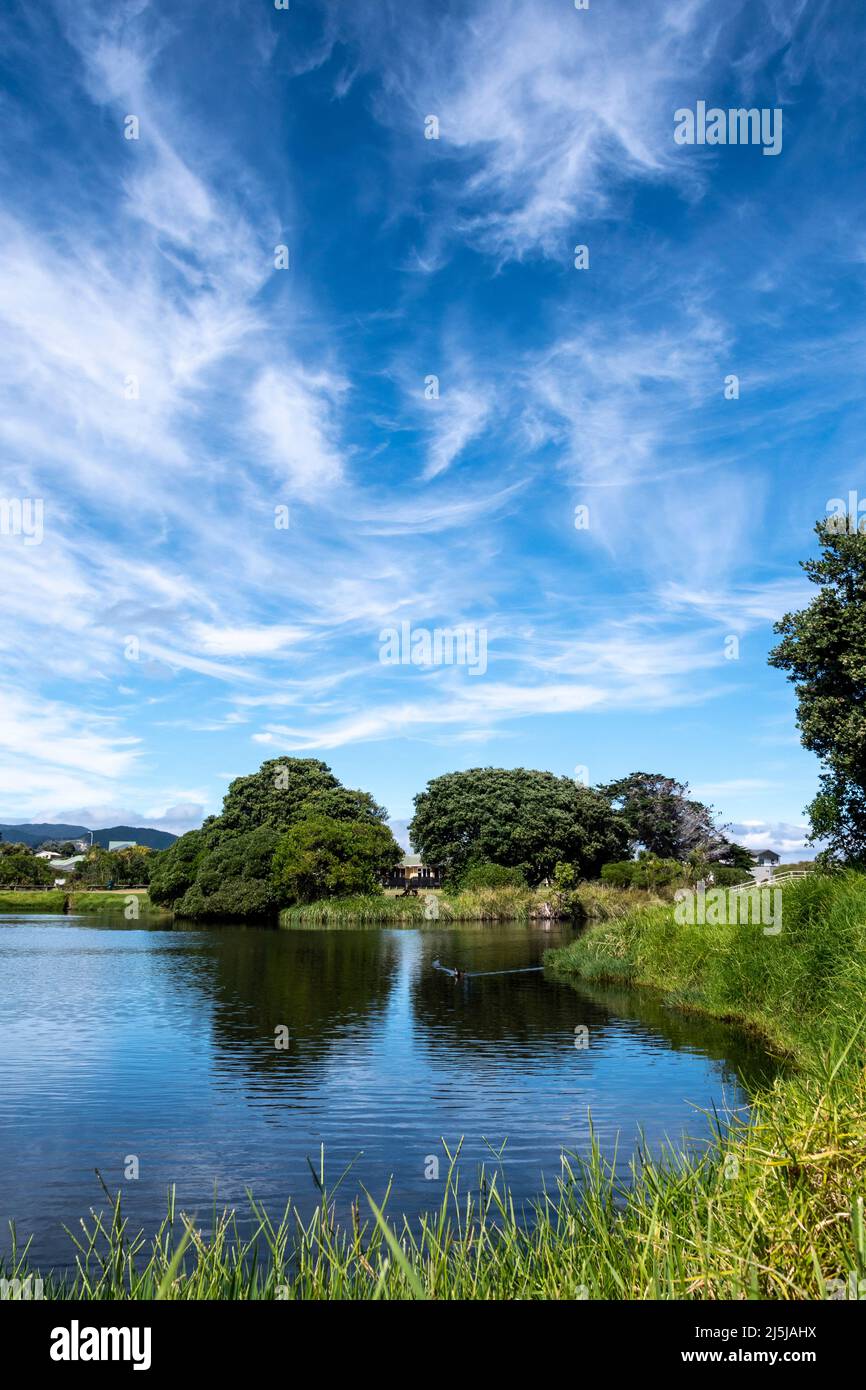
505	904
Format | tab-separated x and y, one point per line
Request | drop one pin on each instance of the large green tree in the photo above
234	879
20	867
225	869
662	818
516	817
823	650
322	857
285	789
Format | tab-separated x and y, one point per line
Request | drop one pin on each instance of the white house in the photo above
767	857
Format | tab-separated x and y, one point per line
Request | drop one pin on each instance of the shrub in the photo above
483	874
321	857
646	872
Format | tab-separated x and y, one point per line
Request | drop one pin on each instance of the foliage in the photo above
226	868
823	650
739	856
662	819
286	790
727	876
647	871
505	904
321	857
234	880
174	869
19	865
518	818
482	874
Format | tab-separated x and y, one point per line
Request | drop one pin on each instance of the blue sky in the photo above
165	388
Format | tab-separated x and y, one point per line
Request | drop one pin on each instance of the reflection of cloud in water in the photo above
169	1054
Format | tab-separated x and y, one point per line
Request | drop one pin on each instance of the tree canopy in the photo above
291	829
323	857
662	818
19	866
823	650
517	817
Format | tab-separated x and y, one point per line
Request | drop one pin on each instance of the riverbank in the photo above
794	986
381	909
57	901
506	904
40	900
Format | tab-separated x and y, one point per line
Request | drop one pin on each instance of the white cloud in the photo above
459	417
550	117
292	413
245	641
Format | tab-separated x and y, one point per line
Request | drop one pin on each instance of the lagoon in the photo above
157	1043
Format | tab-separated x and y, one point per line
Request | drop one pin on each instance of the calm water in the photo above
160	1043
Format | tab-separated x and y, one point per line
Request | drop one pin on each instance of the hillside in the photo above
34	833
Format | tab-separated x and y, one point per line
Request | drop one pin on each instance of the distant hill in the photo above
34	834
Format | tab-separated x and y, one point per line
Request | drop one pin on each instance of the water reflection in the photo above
126	1040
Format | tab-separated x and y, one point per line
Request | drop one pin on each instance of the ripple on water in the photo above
157	1043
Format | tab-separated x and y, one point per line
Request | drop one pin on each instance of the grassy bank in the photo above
772	1209
590	901
795	987
477	905
56	900
116	900
51	900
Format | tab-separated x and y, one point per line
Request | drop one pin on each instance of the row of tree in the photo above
531	821
292	833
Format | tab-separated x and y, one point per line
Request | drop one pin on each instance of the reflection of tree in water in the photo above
685	1032
257	979
523	1010
323	985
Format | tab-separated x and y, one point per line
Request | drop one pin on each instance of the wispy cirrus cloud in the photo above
167	388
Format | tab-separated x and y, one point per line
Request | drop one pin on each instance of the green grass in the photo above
50	900
54	900
473	905
792	987
101	901
770	1209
